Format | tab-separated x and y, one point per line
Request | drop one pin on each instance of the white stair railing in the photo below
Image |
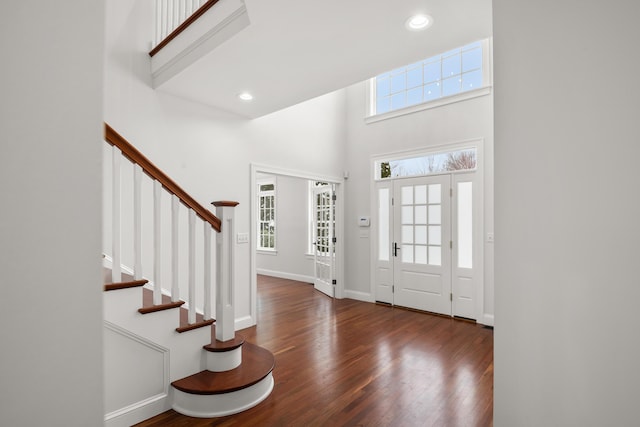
170	14
199	258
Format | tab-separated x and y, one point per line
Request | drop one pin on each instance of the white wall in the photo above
208	152
466	120
567	213
50	181
290	260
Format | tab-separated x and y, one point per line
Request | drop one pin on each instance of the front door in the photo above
421	246
324	244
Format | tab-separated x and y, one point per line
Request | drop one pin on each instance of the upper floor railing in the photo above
173	16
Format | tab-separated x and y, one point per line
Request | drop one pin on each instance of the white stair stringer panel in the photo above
219	405
184	349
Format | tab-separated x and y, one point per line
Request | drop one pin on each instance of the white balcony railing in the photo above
170	14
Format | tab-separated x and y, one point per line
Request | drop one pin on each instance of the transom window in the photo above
267	215
453	72
458	160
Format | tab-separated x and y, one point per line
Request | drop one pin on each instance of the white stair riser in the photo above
224	361
219	405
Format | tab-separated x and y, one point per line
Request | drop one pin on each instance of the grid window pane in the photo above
432	72
435	235
435	255
407	253
398	83
451	86
451	66
421	235
399	100
421	255
407	195
414	96
407	234
421	194
383	86
471	60
414	77
421	215
432	91
472	80
383	104
442	75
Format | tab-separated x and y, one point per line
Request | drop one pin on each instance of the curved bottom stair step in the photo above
214	394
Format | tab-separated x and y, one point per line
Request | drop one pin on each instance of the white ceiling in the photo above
295	50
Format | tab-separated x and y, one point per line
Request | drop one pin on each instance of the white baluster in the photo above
175	279
174	15
207	271
157	33
192	267
137	222
157	243
164	22
116	272
225	255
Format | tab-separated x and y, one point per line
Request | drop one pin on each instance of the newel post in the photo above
225	254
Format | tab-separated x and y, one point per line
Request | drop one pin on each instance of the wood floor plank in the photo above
351	363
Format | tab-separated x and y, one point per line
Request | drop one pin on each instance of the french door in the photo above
421	253
324	242
426	243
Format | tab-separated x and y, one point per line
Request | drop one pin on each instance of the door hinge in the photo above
451	192
451	297
392	201
393	289
334	197
335	240
334	282
450	244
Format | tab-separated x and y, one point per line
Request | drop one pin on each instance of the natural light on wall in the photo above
440	77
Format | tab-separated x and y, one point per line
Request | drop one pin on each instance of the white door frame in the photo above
478	196
256	169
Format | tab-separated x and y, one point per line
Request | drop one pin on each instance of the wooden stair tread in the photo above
125	285
149	307
185	326
222	346
257	363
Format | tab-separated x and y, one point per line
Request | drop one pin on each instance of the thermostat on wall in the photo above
363	221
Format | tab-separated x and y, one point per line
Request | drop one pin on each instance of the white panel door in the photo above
422	246
324	229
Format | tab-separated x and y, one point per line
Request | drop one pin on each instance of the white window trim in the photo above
259	182
487	86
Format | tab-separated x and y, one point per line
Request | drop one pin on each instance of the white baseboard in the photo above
487	319
360	296
244	322
141	412
284	275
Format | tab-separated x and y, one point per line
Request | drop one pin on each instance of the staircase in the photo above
236	374
161	351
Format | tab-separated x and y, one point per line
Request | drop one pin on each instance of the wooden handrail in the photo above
130	152
190	20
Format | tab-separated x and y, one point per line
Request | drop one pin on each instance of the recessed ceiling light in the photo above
245	96
419	22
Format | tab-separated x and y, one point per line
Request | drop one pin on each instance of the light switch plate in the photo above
243	238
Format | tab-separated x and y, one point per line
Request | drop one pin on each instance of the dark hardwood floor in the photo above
350	363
